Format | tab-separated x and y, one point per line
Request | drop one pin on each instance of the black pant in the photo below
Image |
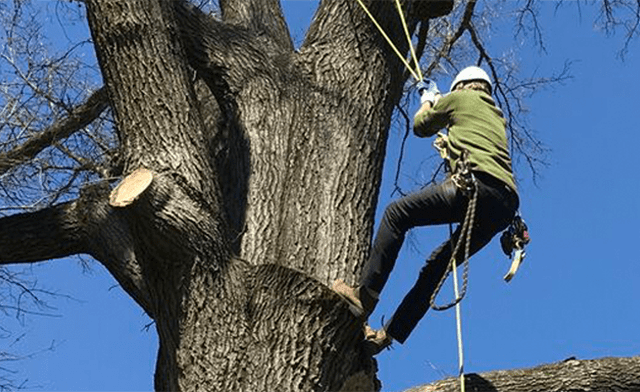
435	204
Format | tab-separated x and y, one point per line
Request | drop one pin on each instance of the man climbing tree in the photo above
480	178
240	182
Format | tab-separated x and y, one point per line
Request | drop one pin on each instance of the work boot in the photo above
375	340
351	295
362	301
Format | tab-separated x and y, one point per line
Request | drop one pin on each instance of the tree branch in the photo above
264	18
447	46
607	374
86	225
49	233
225	56
79	117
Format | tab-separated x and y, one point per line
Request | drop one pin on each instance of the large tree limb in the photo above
109	240
263	17
607	374
226	56
87	225
79	117
151	90
42	235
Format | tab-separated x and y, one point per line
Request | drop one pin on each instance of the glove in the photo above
428	89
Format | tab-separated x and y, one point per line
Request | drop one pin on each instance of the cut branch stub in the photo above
130	189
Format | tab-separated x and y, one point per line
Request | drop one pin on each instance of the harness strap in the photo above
442	145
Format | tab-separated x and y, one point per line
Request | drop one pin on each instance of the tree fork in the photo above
314	135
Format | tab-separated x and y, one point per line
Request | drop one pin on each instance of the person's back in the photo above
475	124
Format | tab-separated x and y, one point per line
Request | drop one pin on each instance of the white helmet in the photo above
471	73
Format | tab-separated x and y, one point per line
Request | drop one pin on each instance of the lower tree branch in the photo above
606	374
87	225
49	233
109	240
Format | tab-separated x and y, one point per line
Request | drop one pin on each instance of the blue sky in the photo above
576	294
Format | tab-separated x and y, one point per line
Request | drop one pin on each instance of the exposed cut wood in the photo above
131	188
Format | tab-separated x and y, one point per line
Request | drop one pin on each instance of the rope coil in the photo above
464	179
466	182
465	234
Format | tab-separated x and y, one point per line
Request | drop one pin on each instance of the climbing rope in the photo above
406	32
417	73
459	331
469	187
466	182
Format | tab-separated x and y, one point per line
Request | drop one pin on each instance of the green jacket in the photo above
476	124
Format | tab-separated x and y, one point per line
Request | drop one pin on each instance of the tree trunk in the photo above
261	165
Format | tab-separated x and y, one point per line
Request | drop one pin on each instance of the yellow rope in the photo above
406	31
400	56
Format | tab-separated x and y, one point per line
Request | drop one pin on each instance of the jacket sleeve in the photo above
429	122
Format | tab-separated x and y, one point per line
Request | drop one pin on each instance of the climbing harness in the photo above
417	73
463	177
515	238
441	143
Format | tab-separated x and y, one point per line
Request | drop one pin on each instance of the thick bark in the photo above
50	233
257	201
264	18
602	375
263	171
316	123
213	313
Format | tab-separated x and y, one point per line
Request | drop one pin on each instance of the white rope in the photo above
458	327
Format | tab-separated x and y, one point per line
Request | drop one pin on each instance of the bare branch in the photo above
624	14
87	225
407	132
79	117
448	44
529	12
